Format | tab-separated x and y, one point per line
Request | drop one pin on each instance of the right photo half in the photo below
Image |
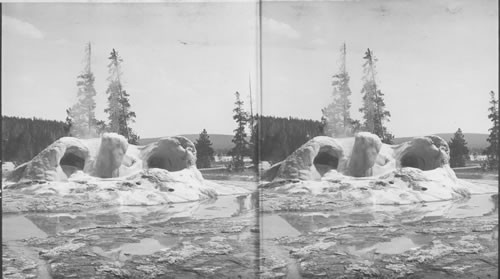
378	139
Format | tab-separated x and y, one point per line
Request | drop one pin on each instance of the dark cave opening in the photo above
160	162
411	160
71	162
324	162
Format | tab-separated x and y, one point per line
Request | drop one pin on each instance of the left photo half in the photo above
128	140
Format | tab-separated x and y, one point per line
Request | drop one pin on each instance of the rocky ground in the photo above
83	192
453	249
300	236
211	239
449	239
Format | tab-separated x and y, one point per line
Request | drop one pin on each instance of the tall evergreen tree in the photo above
336	119
82	113
492	149
119	114
204	150
101	127
68	124
459	152
240	148
374	112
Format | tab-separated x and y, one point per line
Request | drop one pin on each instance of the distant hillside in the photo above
220	143
475	142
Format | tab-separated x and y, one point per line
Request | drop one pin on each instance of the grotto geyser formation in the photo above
107	157
362	169
110	171
361	156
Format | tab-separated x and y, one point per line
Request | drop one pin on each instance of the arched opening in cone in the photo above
325	161
171	154
425	153
157	162
412	160
72	160
420	161
161	161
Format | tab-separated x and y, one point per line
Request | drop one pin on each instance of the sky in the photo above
183	62
437	60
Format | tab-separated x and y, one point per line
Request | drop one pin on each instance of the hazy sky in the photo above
437	60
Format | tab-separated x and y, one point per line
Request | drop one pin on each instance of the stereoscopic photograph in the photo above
250	139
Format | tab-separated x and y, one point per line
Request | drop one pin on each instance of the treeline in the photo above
279	136
24	138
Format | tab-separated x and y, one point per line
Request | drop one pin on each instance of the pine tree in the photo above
204	151
82	114
336	119
119	113
101	127
459	152
240	148
68	124
374	112
492	149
